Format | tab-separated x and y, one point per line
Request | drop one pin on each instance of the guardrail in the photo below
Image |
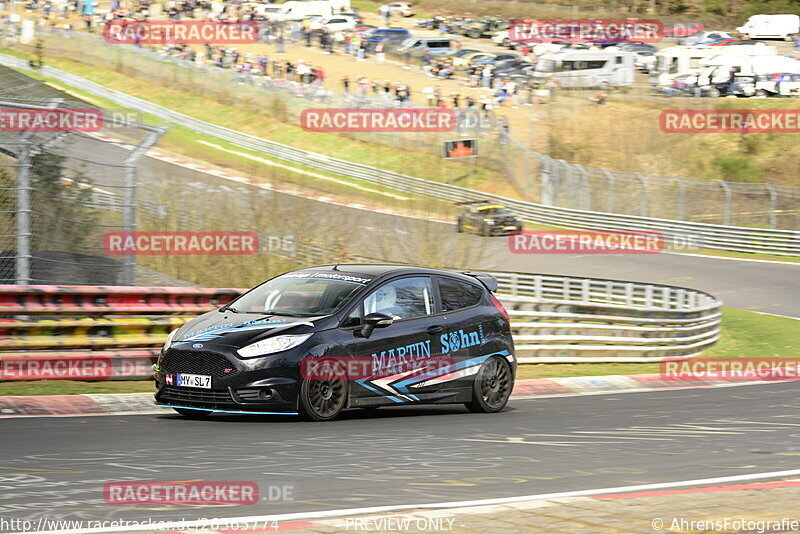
743	239
555	319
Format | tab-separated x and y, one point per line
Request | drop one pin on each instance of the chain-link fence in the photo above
535	176
62	190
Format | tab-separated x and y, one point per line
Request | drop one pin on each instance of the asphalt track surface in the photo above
56	467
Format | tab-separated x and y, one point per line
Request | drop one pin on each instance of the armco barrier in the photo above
743	239
555	319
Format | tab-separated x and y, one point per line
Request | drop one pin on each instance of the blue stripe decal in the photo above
381	393
403	385
224	411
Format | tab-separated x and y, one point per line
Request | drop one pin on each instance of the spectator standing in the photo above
379	55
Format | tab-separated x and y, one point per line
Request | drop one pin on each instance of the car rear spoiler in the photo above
488	281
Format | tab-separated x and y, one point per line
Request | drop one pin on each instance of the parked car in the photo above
334	23
322	340
417	45
402	9
483	27
484	217
704	36
683	29
635	47
390	36
495	59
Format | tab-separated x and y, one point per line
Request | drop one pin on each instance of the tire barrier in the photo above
110	300
554	319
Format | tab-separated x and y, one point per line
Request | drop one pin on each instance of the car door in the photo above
470	335
397	356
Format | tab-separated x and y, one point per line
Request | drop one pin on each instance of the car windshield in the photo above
299	297
493	212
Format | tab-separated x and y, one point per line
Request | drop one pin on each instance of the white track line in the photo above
444	505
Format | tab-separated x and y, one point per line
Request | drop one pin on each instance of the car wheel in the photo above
459	226
492	387
506	43
193	414
474	34
322	400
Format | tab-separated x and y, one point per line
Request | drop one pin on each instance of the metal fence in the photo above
52	220
537	177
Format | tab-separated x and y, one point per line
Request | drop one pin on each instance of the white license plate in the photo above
193	381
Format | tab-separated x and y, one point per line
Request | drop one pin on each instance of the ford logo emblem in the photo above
197	346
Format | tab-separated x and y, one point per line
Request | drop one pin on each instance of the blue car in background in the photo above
389	36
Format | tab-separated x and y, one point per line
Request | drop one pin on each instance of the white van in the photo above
586	68
771	26
676	61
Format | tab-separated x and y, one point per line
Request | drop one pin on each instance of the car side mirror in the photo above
373	321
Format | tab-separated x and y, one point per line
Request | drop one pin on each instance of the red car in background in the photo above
683	29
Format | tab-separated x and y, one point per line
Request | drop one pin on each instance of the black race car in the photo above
484	217
321	340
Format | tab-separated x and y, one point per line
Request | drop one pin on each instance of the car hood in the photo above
239	329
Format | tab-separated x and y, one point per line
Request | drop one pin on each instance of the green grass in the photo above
744	334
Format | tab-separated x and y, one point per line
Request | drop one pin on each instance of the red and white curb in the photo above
270	187
142	403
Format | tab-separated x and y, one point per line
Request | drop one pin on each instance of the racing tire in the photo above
322	400
193	414
459	227
492	387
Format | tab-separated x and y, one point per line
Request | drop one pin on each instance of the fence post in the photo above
645	194
547	182
727	190
586	193
773	206
610	192
24	215
681	198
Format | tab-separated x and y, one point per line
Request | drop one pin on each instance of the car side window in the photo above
404	298
456	294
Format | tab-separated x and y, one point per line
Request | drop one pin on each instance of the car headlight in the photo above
170	337
272	345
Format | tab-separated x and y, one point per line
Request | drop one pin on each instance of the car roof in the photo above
377	270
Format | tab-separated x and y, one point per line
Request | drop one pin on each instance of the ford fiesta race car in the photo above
318	341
